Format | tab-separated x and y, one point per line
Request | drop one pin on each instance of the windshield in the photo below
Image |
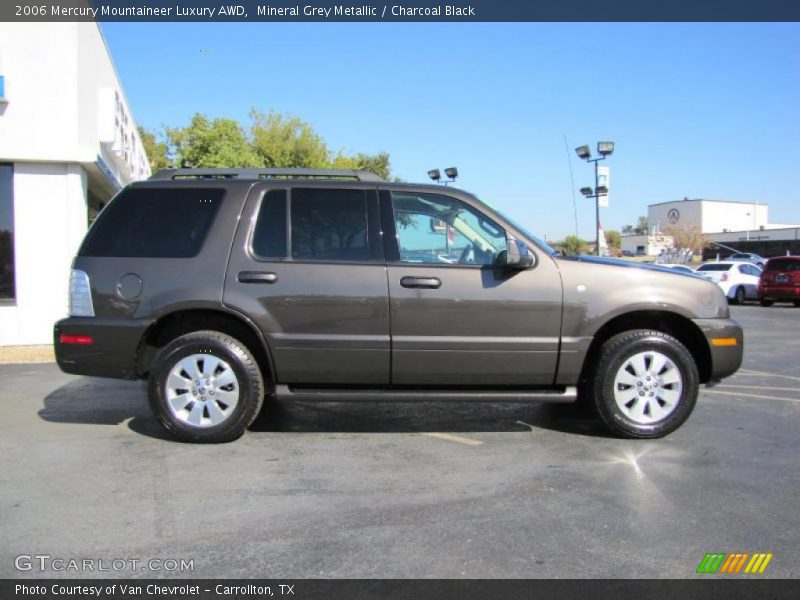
544	245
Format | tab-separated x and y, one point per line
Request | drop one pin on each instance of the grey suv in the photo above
225	287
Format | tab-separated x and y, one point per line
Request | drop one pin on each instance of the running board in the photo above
562	395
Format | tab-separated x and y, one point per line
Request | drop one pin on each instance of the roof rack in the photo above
271	173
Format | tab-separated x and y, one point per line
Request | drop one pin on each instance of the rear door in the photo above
749	276
307	266
458	320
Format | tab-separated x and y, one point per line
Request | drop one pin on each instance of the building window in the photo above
7	288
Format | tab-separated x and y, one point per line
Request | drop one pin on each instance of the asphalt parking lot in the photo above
405	490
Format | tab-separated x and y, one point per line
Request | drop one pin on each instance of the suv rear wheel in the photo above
645	384
206	387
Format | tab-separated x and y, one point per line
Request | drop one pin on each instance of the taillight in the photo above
80	295
83	340
724	277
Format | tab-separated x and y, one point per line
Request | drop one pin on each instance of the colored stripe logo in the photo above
734	563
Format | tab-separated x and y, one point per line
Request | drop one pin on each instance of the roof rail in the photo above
265	173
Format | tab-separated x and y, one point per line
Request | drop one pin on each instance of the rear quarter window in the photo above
154	222
713	267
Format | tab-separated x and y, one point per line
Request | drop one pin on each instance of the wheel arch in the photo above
678	326
172	325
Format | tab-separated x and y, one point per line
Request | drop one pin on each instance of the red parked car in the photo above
780	280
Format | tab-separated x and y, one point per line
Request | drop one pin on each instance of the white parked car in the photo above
739	280
677	267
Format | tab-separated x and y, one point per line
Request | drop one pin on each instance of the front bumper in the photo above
725	340
111	353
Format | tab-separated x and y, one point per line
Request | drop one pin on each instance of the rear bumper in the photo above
111	353
726	344
779	292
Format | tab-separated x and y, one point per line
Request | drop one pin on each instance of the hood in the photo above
616	286
604	260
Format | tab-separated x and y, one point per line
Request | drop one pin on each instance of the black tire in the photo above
796	303
766	302
738	296
614	355
249	385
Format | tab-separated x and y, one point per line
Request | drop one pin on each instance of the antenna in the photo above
572	186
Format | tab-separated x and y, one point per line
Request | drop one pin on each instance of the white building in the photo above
743	226
68	142
712	216
646	245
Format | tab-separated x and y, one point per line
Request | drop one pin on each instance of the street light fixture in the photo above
583	152
450	172
604	149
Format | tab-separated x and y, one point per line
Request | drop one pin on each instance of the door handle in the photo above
257	277
421	282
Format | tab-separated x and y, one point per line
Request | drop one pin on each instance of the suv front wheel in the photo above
205	386
645	384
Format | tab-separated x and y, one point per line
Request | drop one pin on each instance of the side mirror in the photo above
517	256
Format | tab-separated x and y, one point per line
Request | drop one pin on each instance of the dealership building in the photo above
68	143
743	226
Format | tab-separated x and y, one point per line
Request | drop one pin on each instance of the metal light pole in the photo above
604	149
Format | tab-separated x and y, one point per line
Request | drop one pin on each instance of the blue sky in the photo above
697	110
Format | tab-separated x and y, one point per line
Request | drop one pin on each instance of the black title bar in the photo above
710	588
412	10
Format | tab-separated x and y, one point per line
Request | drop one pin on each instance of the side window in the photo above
329	224
154	222
7	288
748	270
269	236
439	230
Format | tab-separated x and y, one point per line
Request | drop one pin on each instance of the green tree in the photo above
374	163
572	244
272	140
287	141
641	227
613	238
157	150
212	143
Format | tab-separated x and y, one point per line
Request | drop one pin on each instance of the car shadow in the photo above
96	401
420	417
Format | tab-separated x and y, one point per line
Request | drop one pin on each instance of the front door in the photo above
458	320
307	265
